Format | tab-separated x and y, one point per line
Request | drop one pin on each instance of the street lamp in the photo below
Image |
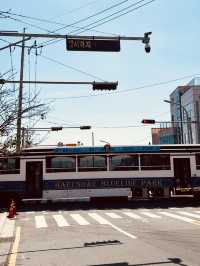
188	121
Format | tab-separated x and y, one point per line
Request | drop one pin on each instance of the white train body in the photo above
87	172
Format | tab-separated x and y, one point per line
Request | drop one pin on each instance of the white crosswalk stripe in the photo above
40	221
60	220
98	218
113	215
190	214
133	215
79	219
151	215
178	217
87	218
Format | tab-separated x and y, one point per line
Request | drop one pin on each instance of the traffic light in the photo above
148	121
105	86
85	127
56	128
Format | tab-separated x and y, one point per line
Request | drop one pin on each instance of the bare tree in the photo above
32	108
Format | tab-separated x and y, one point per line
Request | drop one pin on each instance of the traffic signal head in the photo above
148	121
85	127
105	85
56	128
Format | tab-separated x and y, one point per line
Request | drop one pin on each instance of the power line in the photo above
79	8
85	28
93	15
46	21
66	26
131	10
84	19
73	68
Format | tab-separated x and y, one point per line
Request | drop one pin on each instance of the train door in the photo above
34	179
182	173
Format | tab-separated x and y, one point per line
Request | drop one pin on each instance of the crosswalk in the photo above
66	219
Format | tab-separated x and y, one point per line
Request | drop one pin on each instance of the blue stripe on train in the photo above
125	149
62	184
14	186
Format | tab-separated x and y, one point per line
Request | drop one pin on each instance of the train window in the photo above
155	162
9	166
124	162
60	164
92	163
197	156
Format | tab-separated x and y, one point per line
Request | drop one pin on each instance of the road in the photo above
120	235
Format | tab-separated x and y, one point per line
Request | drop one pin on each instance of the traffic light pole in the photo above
144	38
81	42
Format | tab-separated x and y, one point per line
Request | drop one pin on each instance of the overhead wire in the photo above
125	91
71	67
87	27
50	22
117	12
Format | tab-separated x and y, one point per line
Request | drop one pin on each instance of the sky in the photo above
145	79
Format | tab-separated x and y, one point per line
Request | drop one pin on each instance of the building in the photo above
185	112
164	135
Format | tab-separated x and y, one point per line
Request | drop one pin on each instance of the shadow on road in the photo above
175	261
108	204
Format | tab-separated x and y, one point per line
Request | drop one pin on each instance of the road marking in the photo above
8	229
13	256
136	216
60	220
197	211
40	221
113	215
98	218
101	220
79	219
185	219
152	215
30	212
190	214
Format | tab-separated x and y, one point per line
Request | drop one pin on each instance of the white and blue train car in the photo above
112	171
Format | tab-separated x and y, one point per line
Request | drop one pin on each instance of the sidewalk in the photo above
7	227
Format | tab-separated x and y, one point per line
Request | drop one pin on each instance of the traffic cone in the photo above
12	210
14	207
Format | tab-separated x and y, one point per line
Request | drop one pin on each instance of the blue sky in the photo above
114	117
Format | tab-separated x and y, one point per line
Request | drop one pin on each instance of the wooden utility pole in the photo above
19	113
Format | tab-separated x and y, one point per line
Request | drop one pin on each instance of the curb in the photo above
7	229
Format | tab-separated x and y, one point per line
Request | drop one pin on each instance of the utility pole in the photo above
19	113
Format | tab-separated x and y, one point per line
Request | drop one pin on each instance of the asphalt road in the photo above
126	234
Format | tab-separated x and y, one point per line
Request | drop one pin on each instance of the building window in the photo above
197	157
92	163
60	164
124	163
155	162
9	166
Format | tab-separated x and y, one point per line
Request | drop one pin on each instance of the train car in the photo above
151	171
